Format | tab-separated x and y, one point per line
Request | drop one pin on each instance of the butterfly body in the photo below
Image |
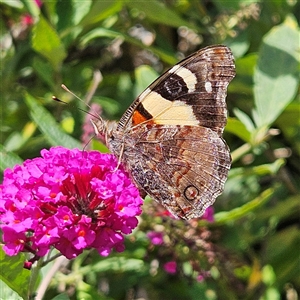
170	138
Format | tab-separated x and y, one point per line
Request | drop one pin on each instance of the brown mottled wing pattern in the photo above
183	167
170	138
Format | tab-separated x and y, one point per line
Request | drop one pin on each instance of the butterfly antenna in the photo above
97	78
73	94
81	109
97	116
69	91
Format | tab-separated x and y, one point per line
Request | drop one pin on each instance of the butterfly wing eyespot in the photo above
191	192
171	135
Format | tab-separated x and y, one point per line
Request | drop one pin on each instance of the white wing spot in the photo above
208	87
188	76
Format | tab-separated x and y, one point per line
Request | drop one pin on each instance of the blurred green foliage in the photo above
255	237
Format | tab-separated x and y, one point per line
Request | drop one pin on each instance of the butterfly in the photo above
170	138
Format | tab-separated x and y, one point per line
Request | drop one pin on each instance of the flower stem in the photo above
241	151
61	260
33	278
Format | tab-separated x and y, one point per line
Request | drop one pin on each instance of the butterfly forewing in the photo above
193	92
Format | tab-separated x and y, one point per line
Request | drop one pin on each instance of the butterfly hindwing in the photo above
182	167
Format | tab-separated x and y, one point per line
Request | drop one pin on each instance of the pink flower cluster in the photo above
70	200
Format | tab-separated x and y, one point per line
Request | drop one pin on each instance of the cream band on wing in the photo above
188	76
169	112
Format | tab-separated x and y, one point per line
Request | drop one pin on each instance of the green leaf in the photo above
44	71
96	145
89	292
70	13
115	264
159	13
283	210
144	76
243	82
245	119
17	139
239	45
282	253
14	141
46	42
48	125
64	11
289	124
100	10
62	296
8	159
80	10
268	275
8	293
32	7
14	4
237	128
237	213
276	74
11	266
271	294
266	169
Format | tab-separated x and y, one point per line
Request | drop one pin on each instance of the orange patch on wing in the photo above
138	118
